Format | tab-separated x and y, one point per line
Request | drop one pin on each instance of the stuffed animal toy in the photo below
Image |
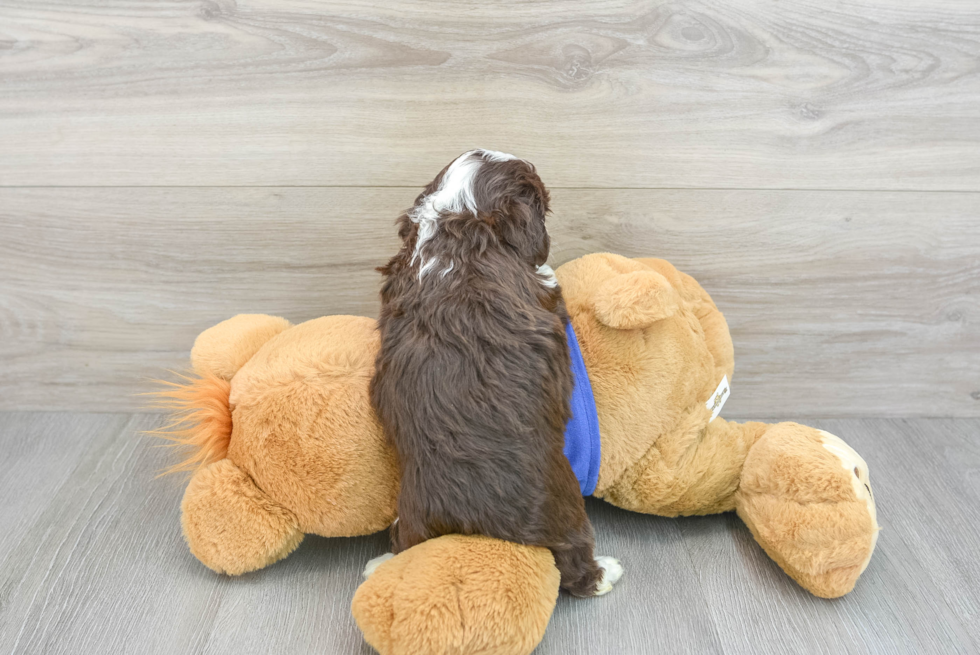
283	442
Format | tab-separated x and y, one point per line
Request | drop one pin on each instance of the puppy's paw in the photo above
372	565
612	571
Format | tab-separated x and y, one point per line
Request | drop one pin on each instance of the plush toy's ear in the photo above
635	300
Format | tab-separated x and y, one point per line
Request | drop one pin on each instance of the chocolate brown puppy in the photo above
472	381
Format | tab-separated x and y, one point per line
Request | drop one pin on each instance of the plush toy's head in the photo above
655	345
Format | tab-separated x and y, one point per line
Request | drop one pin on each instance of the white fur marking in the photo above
373	565
612	571
455	193
860	481
496	155
548	274
426	266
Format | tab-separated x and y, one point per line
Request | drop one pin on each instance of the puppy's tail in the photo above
200	423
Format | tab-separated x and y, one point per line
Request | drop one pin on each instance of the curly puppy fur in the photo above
472	381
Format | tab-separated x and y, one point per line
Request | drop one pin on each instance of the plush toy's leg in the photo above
461	595
693	470
231	525
806	497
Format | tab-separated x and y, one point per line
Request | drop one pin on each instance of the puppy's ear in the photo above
406	232
521	225
630	301
405	226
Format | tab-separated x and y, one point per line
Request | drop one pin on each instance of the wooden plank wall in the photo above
166	164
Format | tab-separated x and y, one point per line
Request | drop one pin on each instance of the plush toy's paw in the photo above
231	525
612	571
806	496
373	564
461	595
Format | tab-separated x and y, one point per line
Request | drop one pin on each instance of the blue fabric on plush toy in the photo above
582	447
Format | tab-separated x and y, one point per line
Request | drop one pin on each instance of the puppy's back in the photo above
473	377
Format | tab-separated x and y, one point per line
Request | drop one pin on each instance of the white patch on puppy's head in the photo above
496	155
453	195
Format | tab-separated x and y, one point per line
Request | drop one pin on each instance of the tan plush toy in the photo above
284	442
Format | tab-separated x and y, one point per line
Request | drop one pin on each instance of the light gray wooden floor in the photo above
92	561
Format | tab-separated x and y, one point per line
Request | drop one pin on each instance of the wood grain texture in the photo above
39	453
859	303
104	569
930	474
664	610
100	565
866	94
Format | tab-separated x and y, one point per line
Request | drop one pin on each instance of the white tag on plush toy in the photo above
718	398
